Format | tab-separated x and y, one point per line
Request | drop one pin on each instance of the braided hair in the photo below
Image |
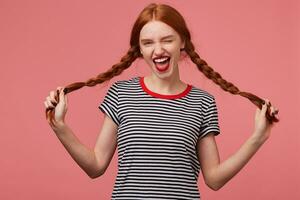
173	18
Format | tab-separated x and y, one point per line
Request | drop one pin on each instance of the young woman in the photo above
164	128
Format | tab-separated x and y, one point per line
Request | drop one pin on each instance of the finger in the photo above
267	101
56	92
49	100
49	104
52	96
66	98
264	109
61	94
275	111
272	110
257	113
58	88
46	105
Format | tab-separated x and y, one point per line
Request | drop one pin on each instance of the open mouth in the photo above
162	64
162	60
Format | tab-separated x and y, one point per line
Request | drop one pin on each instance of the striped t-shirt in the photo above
156	139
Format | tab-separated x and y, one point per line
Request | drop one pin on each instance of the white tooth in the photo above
160	59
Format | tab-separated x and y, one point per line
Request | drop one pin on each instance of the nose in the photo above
158	49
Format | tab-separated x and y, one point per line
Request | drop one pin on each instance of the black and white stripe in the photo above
157	140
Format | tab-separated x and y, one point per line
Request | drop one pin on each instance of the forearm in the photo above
230	167
82	155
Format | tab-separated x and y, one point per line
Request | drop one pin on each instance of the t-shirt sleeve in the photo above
210	119
109	105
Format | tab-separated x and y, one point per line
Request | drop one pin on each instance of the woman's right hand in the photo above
58	102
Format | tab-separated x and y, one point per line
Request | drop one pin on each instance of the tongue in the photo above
162	66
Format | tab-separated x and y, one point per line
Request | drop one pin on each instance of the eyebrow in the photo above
165	37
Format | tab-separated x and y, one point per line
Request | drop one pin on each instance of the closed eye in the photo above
168	41
147	43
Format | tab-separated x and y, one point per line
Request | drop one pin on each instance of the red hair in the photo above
173	18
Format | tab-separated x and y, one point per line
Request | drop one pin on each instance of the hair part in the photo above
173	18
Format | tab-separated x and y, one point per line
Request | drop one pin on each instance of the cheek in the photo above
147	55
176	53
147	59
174	49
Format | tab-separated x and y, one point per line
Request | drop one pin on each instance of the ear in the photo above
182	45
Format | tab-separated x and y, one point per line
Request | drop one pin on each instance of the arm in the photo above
217	174
93	162
82	155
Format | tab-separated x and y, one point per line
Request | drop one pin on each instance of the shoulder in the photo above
127	82
127	85
202	95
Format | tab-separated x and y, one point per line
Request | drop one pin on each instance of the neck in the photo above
169	85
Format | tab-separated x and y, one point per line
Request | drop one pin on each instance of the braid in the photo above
117	69
132	54
225	85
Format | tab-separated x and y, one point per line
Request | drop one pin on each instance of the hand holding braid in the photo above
132	54
225	85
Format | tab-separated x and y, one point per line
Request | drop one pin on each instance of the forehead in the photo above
156	29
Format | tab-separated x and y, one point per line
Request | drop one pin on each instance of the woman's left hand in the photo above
262	126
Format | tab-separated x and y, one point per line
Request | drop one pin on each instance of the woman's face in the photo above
160	45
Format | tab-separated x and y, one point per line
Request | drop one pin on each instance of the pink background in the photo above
45	44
